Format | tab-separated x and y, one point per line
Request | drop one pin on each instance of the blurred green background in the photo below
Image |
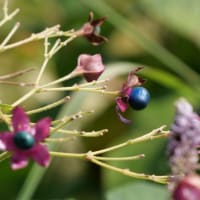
162	35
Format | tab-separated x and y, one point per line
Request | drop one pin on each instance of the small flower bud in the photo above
188	188
90	66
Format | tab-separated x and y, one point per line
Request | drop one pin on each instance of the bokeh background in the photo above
162	35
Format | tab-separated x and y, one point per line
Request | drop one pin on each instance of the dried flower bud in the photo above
188	188
91	30
90	66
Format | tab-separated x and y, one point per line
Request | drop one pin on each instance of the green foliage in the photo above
139	190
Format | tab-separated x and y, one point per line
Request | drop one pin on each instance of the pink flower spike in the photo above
90	66
24	141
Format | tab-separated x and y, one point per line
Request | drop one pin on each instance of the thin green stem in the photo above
73	74
84	133
49	106
65	120
25	97
148	136
77	88
58	140
8	17
15	74
42	69
4	156
68	155
127	172
128	158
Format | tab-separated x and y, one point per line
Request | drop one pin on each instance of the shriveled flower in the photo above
90	66
24	141
122	100
91	30
188	188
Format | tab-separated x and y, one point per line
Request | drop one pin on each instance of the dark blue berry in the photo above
24	140
139	98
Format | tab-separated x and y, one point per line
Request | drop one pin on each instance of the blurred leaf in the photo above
139	190
182	16
154	48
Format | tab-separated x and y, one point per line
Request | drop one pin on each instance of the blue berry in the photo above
139	98
23	140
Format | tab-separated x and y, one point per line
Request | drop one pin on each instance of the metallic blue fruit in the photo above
139	98
24	140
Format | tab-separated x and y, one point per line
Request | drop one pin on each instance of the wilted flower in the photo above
91	30
122	100
24	141
90	66
188	188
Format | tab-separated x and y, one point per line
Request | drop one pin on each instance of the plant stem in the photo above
77	88
127	172
68	155
25	97
129	158
4	156
49	106
148	136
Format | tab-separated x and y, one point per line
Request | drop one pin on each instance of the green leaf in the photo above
6	108
138	191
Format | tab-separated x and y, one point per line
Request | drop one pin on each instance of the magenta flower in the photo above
91	30
122	100
25	141
90	66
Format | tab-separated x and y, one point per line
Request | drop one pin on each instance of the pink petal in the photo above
42	129
41	155
18	161
121	104
94	64
122	119
6	141
83	59
20	120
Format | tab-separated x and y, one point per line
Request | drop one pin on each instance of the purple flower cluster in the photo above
184	140
183	153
